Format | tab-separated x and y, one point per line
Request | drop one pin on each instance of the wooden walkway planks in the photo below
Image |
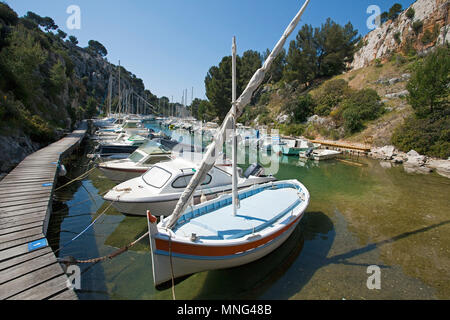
25	207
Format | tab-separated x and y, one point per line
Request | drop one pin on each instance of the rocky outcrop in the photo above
412	161
16	149
393	36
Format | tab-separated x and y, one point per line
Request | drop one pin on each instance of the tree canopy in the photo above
97	48
7	15
428	87
320	52
218	80
73	40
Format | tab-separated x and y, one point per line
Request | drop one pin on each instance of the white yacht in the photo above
137	163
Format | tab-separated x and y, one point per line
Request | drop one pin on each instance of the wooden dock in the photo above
340	146
26	195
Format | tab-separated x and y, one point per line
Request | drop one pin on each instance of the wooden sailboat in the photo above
234	229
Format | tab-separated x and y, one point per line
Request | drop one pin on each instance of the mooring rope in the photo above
171	268
81	177
109	256
92	223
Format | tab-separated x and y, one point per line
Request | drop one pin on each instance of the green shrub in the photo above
397	37
9	108
417	26
265	98
361	106
428	130
58	77
292	129
430	36
39	129
352	120
410	13
428	87
426	136
301	108
378	63
8	15
408	48
330	95
398	59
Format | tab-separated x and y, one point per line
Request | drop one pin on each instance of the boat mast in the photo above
108	112
244	99
234	147
119	106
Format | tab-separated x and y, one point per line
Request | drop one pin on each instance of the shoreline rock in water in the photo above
412	161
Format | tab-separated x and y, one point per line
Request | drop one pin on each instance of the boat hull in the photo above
168	264
121	175
200	242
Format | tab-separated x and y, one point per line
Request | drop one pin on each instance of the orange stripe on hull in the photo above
217	251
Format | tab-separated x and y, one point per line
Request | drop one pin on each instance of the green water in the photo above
359	215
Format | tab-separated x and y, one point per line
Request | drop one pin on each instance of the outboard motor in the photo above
254	170
309	152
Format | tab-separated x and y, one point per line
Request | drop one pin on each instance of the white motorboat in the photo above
319	154
159	188
137	163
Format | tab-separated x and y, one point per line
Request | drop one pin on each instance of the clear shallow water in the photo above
358	216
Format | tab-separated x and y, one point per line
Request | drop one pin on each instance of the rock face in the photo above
442	167
380	42
17	148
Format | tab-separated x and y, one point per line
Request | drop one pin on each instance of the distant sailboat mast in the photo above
108	112
119	105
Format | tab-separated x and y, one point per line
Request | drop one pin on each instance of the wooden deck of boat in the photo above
25	208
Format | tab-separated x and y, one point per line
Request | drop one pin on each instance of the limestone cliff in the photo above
428	27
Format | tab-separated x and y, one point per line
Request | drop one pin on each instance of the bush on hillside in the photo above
427	136
428	130
360	106
330	95
301	108
428	87
411	13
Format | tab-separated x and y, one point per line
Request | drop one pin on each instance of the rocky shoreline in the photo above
412	161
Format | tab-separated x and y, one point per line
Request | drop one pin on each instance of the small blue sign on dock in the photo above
38	244
47	184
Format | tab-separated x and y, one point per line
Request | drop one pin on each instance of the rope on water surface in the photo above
92	223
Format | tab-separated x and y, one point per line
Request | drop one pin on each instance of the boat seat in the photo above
215	221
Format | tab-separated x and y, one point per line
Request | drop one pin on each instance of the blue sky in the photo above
171	44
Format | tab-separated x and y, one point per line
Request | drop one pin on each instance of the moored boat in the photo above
320	154
137	163
161	186
208	236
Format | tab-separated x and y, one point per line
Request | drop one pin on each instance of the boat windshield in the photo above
130	125
151	147
156	177
136	156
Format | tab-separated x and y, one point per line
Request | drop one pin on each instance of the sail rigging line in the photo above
244	99
235	198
